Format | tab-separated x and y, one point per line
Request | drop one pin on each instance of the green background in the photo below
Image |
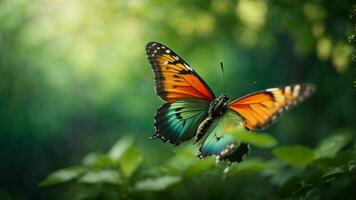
74	78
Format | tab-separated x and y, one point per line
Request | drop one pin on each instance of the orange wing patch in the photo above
174	78
262	108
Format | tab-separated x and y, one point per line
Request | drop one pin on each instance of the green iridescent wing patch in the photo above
177	122
219	141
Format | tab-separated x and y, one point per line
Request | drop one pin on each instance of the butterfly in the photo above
191	110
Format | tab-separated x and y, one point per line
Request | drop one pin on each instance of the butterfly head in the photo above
224	98
218	105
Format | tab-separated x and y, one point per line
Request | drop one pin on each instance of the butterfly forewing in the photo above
174	78
262	108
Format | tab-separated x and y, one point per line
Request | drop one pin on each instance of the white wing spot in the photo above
226	170
271	89
188	67
217	159
296	90
168	51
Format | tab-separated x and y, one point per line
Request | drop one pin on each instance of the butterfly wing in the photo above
262	108
178	121
174	78
220	143
187	95
254	111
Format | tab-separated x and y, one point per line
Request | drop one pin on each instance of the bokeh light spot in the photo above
341	57
323	48
252	12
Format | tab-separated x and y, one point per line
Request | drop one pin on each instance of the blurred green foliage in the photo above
308	177
74	79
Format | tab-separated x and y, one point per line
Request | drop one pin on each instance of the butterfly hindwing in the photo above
219	141
174	78
178	121
262	108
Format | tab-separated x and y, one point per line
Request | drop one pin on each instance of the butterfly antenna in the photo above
253	84
223	78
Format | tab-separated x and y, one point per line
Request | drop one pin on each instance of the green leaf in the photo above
186	151
342	158
261	140
252	165
157	184
290	187
97	160
313	178
102	176
80	192
177	164
62	175
294	155
199	167
130	161
331	145
333	173
119	148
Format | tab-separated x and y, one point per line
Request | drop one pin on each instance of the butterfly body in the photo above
216	108
192	110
